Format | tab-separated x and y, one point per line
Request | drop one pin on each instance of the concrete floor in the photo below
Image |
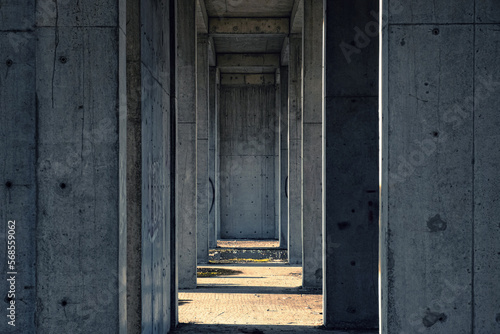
251	298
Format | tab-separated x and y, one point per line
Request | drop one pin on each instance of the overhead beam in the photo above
297	17
247	79
249	59
257	26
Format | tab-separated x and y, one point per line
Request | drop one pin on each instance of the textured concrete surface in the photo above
18	188
283	183
156	168
437	204
131	196
186	201
202	148
247	161
486	177
312	143
212	158
77	171
351	169
294	150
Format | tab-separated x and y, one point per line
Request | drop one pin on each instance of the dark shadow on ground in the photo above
228	288
260	329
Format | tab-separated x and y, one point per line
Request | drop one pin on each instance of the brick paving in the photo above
255	299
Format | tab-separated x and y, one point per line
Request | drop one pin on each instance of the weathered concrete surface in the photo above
283	135
254	26
202	149
156	167
294	150
351	170
486	177
428	183
18	188
312	143
247	170
77	170
186	201
212	140
131	193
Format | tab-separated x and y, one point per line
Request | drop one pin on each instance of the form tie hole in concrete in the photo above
431	318
353	263
435	31
435	134
62	185
8	184
9	62
351	310
498	318
64	302
63	60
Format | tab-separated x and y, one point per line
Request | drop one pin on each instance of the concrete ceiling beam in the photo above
246	60
254	26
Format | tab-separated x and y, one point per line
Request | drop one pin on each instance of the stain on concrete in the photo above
343	225
436	224
431	318
319	274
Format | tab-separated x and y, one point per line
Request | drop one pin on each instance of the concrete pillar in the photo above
277	157
131	135
212	137
351	168
217	155
18	184
186	201
80	76
312	150
283	131
157	115
294	150
202	148
440	181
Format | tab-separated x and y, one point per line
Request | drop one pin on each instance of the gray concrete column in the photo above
131	199
158	300
277	157
283	131
440	157
294	150
186	201
312	150
217	155
351	167
80	76
18	184
202	148
212	137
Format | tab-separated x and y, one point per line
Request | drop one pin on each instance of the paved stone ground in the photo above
265	298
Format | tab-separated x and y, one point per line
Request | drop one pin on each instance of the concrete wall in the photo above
439	187
351	167
18	133
156	166
247	161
